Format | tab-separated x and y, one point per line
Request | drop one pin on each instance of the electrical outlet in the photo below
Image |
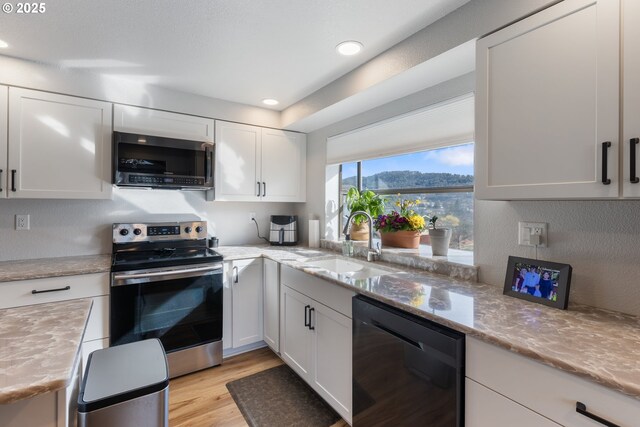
526	229
252	216
22	222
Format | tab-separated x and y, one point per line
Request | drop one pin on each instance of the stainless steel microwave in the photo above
160	162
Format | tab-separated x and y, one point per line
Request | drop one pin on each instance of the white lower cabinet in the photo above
271	307
538	388
315	338
242	303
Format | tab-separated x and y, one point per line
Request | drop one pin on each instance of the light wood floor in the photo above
201	399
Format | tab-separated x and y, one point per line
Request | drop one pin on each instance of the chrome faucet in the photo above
372	254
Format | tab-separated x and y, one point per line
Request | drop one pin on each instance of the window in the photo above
442	179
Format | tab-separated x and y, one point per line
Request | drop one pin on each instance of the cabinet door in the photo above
237	174
631	97
332	342
284	158
247	302
484	407
162	123
59	146
272	304
227	307
547	95
4	122
295	342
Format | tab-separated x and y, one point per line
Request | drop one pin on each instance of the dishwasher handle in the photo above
398	335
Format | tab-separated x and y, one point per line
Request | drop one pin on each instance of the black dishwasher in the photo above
407	371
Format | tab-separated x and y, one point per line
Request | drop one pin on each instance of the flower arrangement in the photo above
406	219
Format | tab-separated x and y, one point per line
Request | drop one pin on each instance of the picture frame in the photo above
542	282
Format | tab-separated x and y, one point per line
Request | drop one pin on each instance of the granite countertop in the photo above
39	347
53	267
596	344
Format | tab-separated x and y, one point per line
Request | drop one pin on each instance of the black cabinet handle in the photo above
0	180
581	408
605	152
258	189
632	160
13	180
311	310
264	189
307	318
235	275
66	288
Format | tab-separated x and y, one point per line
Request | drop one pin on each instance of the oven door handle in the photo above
158	276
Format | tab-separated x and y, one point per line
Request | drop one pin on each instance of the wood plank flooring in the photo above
201	399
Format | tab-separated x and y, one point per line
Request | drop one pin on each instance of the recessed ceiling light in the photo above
270	101
3	44
349	47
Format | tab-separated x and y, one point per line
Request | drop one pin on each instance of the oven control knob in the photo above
137	231
124	232
187	230
198	229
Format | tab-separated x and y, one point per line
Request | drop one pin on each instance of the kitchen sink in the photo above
347	268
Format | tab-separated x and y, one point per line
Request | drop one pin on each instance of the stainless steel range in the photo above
167	284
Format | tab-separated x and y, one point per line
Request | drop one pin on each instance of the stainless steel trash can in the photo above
126	385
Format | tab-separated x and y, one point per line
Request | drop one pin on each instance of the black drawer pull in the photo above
311	310
0	180
581	408
307	318
605	152
258	189
13	180
633	177
66	288
264	189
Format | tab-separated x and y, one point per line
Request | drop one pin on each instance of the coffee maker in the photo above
283	230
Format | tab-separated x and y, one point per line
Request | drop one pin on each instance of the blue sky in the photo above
458	159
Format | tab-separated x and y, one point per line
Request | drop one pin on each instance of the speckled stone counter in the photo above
39	346
53	267
600	345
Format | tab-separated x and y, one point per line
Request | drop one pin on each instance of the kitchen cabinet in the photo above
547	99
259	164
147	121
271	295
631	97
54	409
95	286
59	147
316	336
246	286
4	119
537	388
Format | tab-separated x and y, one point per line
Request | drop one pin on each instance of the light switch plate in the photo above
526	229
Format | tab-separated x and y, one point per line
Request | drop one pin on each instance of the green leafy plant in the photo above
367	201
432	221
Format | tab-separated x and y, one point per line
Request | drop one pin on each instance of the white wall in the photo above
83	227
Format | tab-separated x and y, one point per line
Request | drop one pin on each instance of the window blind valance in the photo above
447	123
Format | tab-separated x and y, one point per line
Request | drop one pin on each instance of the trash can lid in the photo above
122	373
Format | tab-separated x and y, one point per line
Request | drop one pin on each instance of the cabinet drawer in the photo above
332	295
98	323
548	391
17	294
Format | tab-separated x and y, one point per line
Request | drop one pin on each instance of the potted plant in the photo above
401	229
440	238
366	201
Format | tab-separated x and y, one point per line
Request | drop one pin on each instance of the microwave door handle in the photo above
157	276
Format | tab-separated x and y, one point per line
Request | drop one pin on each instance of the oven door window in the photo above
182	313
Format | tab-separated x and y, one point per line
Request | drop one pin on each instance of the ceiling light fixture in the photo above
270	101
349	47
3	44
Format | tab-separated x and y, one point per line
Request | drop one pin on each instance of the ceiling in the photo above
236	50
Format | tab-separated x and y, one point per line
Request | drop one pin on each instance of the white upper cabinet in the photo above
59	146
631	103
254	163
162	123
4	122
284	160
547	99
